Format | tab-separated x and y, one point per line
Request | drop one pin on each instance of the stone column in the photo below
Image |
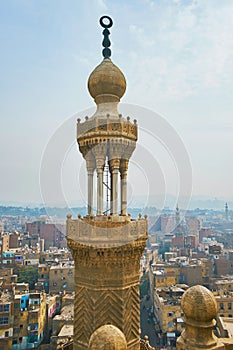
90	164
100	170
123	172
90	173
114	170
99	152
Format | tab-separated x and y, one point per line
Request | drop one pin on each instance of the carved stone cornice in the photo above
120	256
108	127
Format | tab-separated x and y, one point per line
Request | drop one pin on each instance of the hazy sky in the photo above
177	58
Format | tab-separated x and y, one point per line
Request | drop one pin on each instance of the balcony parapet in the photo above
106	231
95	128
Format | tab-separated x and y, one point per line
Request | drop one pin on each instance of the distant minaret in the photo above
177	215
226	212
179	229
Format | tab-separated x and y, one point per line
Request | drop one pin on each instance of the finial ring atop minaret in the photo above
104	25
106	83
106	42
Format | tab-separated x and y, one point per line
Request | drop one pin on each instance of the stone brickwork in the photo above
106	276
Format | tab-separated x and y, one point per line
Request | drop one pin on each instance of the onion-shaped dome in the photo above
106	83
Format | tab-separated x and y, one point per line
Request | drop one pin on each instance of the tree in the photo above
27	274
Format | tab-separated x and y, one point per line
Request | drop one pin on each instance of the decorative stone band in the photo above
106	231
122	256
194	323
108	127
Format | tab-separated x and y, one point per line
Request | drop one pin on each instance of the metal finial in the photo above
106	42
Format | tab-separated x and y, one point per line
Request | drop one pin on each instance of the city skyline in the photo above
176	56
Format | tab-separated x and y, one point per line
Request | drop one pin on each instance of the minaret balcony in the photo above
97	128
106	230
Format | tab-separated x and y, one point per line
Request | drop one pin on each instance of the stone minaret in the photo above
226	212
177	215
107	244
179	229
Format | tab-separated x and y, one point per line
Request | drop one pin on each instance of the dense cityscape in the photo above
37	275
144	258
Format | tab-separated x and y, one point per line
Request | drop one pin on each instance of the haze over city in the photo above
176	56
116	217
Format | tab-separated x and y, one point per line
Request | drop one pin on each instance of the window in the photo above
4	307
230	315
229	306
6	334
3	320
221	306
33	327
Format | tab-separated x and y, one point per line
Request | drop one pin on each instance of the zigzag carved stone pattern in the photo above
107	290
117	307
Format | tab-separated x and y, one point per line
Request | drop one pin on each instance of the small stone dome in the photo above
106	79
199	304
107	337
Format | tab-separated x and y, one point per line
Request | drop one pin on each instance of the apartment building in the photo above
61	278
29	320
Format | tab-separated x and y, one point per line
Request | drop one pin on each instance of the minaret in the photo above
178	231
177	215
107	245
226	212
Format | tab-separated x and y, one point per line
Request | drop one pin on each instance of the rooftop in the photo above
6	297
170	295
67	313
66	331
227	323
63	265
